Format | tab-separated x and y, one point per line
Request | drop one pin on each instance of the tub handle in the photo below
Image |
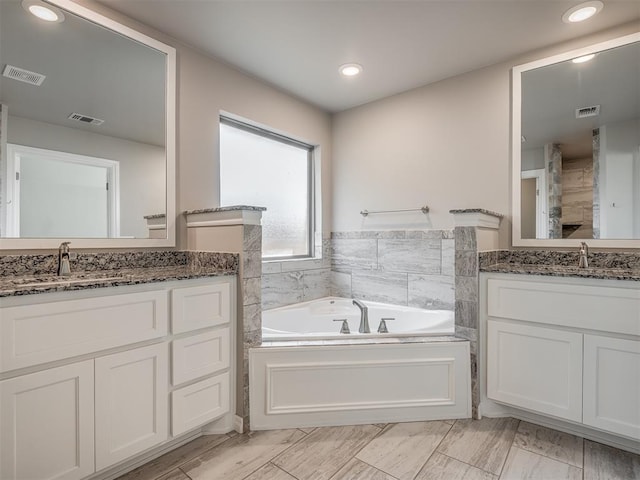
345	325
382	328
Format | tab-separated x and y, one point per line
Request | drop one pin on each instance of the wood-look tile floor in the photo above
487	449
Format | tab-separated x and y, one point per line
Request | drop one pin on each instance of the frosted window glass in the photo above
265	172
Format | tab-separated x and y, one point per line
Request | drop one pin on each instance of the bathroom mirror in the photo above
576	147
87	131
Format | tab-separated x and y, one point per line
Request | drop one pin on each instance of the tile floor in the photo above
487	449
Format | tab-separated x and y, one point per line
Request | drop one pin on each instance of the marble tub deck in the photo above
487	449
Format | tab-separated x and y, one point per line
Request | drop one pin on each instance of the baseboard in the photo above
238	424
493	410
125	467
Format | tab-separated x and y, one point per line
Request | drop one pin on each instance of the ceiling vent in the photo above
588	111
85	119
23	75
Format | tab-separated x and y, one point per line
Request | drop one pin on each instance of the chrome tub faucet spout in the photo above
584	251
364	316
64	267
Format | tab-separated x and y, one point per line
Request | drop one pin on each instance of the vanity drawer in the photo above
45	332
200	355
604	308
200	403
204	306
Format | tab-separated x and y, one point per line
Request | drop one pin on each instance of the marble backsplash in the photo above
294	281
401	267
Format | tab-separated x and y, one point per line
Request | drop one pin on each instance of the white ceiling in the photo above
297	45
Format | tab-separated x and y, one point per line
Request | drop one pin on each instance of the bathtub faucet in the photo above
364	316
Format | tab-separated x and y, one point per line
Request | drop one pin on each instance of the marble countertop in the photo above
565	271
34	284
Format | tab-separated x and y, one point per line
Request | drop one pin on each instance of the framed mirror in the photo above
576	147
87	131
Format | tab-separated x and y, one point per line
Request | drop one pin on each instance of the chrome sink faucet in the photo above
64	267
584	251
364	316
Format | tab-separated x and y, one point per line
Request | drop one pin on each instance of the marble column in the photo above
236	229
596	183
475	230
553	169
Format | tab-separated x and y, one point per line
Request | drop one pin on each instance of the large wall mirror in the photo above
87	131
576	147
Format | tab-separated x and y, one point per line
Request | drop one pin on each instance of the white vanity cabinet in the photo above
47	424
564	347
200	358
131	403
91	379
535	368
612	384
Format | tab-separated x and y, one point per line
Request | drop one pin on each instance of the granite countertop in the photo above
229	208
602	265
28	275
565	271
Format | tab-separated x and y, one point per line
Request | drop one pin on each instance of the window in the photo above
262	168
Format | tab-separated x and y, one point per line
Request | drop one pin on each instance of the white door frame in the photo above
12	204
542	230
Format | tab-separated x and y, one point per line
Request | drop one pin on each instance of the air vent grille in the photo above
23	75
588	111
78	117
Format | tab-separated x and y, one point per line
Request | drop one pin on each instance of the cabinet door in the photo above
612	384
46	424
536	368
131	403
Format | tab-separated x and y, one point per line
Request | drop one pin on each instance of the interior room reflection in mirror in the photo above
580	151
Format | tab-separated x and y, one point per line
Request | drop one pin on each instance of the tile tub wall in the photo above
401	267
295	281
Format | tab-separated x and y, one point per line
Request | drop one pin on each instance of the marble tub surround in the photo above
475	229
602	265
292	281
402	267
31	274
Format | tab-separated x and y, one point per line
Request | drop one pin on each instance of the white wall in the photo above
142	166
445	144
532	159
620	180
206	88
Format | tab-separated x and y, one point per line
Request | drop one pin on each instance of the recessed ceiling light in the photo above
43	11
350	69
583	11
584	58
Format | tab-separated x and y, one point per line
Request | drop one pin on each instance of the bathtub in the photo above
306	375
314	320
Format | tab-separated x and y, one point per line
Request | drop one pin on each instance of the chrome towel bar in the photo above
424	210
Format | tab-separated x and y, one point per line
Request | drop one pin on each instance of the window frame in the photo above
311	180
